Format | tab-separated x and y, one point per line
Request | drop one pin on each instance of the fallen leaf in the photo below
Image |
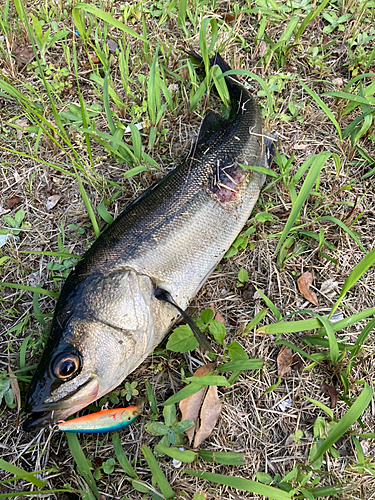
189	407
328	285
297	363
211	409
228	18
262	48
332	393
52	201
300	147
304	282
16	391
94	58
13	200
220	317
24	54
284	361
22	123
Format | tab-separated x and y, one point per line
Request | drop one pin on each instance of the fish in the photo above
121	298
106	420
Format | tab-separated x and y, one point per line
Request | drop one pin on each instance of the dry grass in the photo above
260	426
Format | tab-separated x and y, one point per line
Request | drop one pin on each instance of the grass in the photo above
100	102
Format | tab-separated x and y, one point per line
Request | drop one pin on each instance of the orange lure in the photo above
104	420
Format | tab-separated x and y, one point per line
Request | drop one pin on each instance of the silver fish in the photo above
165	244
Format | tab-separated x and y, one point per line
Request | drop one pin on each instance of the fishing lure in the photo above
104	420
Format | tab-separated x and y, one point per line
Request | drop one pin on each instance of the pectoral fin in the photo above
161	294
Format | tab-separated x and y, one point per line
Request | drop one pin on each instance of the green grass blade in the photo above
185	392
105	16
157	473
324	107
354	276
182	4
313	357
88	206
223	457
345	228
310	17
321	406
313	324
121	457
258	79
217	380
29	493
270	304
354	412
257	319
242	484
21	474
262	170
83	467
333	346
243	364
311	177
33	289
151	89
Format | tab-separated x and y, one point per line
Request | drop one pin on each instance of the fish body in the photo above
107	319
102	421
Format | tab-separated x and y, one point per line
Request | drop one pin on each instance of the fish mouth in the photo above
49	413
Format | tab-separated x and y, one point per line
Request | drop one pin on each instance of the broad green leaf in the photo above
236	352
186	456
182	339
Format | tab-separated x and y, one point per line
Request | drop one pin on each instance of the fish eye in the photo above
66	365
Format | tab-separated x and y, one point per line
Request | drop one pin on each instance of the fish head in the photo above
90	354
73	374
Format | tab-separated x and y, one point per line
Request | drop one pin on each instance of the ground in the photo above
44	153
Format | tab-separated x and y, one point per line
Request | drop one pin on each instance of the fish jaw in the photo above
46	414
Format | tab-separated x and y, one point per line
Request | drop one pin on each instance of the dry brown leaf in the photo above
94	58
24	54
284	361
297	363
304	282
52	201
13	200
332	393
211	409
189	407
228	18
220	317
16	391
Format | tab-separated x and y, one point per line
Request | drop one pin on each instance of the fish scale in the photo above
107	319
